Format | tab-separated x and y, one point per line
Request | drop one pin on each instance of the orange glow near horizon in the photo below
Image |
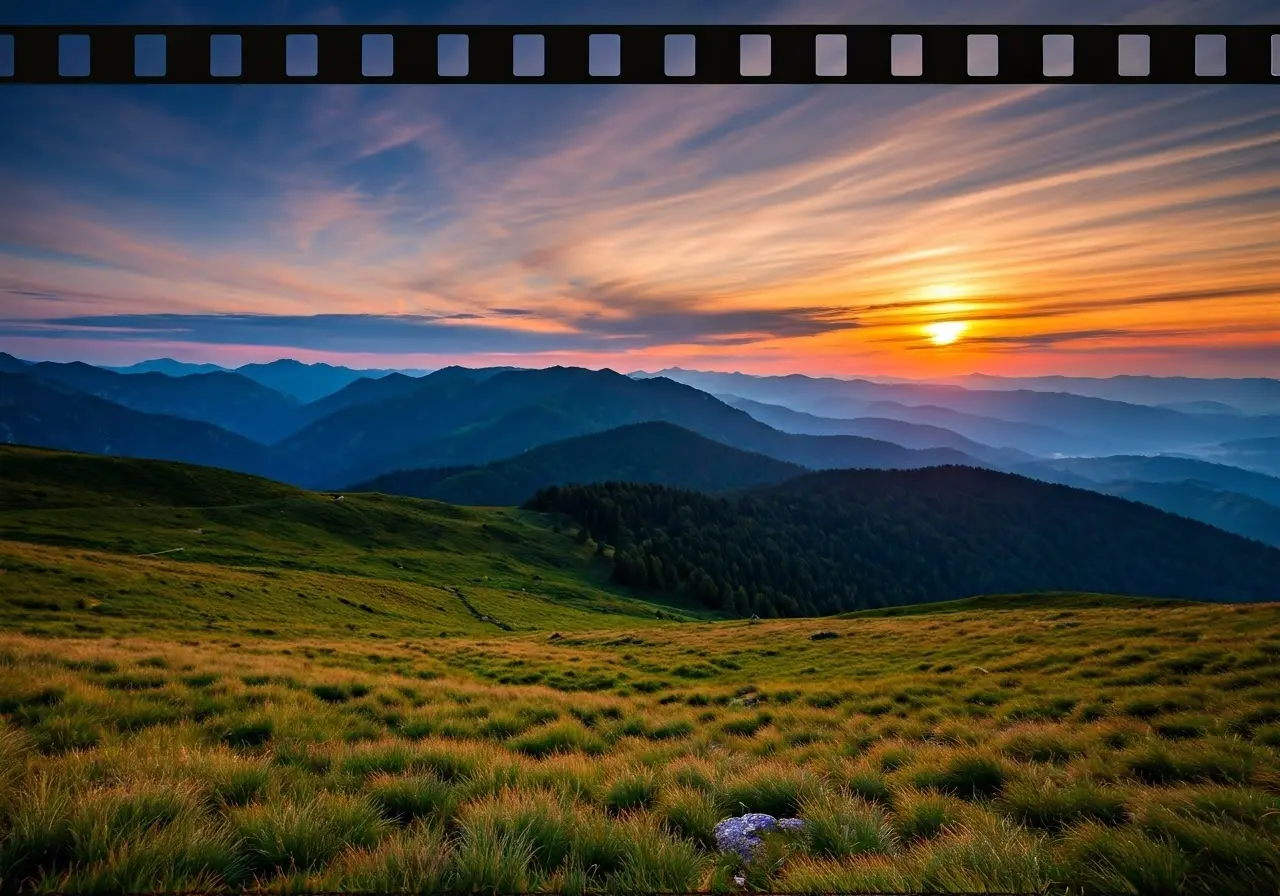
1084	233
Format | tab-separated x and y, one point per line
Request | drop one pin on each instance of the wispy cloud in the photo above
819	227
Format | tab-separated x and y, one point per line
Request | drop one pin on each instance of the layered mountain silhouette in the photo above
1249	395
44	414
1260	455
228	400
1074	470
303	382
1088	424
495	435
900	432
659	453
454	418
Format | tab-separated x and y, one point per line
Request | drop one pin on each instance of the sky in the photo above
893	230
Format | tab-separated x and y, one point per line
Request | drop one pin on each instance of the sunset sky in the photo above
827	229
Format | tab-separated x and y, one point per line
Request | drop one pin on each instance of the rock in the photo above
555	636
823	635
742	834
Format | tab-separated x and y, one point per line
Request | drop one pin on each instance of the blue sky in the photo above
824	229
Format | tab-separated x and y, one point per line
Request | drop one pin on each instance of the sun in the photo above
945	332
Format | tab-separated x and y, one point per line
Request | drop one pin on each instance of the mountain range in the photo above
659	453
496	435
303	382
1078	424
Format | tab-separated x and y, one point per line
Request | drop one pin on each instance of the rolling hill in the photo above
152	545
376	693
856	539
43	414
659	453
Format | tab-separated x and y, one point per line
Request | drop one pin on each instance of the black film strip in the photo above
578	54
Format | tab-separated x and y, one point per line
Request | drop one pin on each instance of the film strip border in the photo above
576	54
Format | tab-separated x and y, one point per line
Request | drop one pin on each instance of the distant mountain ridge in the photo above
1106	425
224	399
304	382
49	415
1250	395
1113	469
463	418
453	419
660	453
900	432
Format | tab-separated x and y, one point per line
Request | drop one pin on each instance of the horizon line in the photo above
424	371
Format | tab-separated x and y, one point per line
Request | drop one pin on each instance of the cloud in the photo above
800	221
424	334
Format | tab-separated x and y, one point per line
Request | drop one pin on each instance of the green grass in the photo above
250	558
170	744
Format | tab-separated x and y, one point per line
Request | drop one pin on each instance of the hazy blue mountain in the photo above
658	453
365	390
226	400
46	414
1040	441
1254	395
305	382
393	385
1203	406
900	432
1229	511
10	364
1261	455
167	366
451	421
1108	426
1157	469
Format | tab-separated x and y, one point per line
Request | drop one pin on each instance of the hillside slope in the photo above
857	539
658	453
143	544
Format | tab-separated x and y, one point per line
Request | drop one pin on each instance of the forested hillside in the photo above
857	539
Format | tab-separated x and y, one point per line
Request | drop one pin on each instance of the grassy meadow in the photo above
385	694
